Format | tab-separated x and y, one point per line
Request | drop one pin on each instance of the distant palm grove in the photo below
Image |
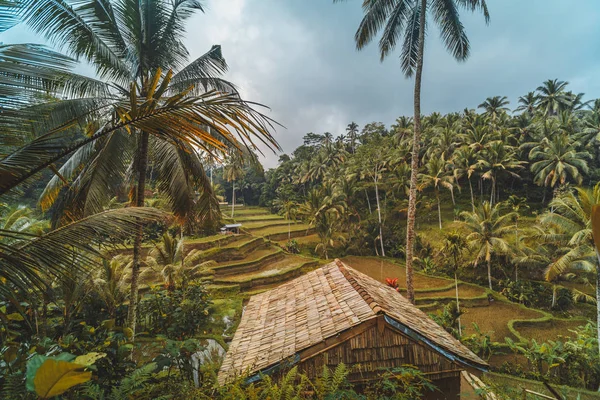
137	222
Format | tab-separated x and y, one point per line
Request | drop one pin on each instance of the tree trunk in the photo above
414	165
492	191
489	265
517	246
598	300
368	201
137	244
289	230
232	199
437	196
457	303
379	218
472	197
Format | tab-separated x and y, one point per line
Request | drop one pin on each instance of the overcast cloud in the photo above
299	58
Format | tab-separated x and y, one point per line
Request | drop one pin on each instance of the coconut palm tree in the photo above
232	171
152	92
454	246
575	220
552	97
352	130
437	176
371	162
465	164
498	159
495	106
289	210
486	228
407	19
557	161
176	267
527	103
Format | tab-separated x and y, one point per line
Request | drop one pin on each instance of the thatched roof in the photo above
280	323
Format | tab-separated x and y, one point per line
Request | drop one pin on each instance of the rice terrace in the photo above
267	200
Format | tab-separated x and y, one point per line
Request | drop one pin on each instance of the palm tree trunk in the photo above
379	218
414	164
137	244
457	303
517	246
598	300
472	197
489	265
232	199
289	230
492	192
437	196
368	201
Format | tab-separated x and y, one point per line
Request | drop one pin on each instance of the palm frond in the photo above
76	245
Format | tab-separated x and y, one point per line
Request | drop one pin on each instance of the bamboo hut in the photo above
334	315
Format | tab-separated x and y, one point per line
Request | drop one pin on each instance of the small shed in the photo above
231	228
334	315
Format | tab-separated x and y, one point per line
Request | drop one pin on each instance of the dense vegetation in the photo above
106	183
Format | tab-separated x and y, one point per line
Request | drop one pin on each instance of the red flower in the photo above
392	282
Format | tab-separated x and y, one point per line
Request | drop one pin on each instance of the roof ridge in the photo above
377	309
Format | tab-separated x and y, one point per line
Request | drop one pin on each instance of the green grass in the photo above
271	230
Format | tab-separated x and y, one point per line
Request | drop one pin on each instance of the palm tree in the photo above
575	218
176	267
407	18
437	175
527	103
111	282
498	158
487	227
495	106
289	209
232	171
557	161
371	161
352	130
465	164
516	203
454	246
552	97
137	49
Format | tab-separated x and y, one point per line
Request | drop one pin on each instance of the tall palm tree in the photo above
497	159
558	161
454	246
486	228
371	162
552	97
438	176
465	164
153	92
232	171
575	218
495	106
528	103
407	18
352	130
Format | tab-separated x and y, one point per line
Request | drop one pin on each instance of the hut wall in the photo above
382	347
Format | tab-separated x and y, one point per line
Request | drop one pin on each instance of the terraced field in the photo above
255	261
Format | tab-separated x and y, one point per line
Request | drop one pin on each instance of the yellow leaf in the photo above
15	317
89	358
56	377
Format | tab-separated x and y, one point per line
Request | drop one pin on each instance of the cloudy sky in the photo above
299	58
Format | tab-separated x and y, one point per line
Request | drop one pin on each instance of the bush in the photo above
177	313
